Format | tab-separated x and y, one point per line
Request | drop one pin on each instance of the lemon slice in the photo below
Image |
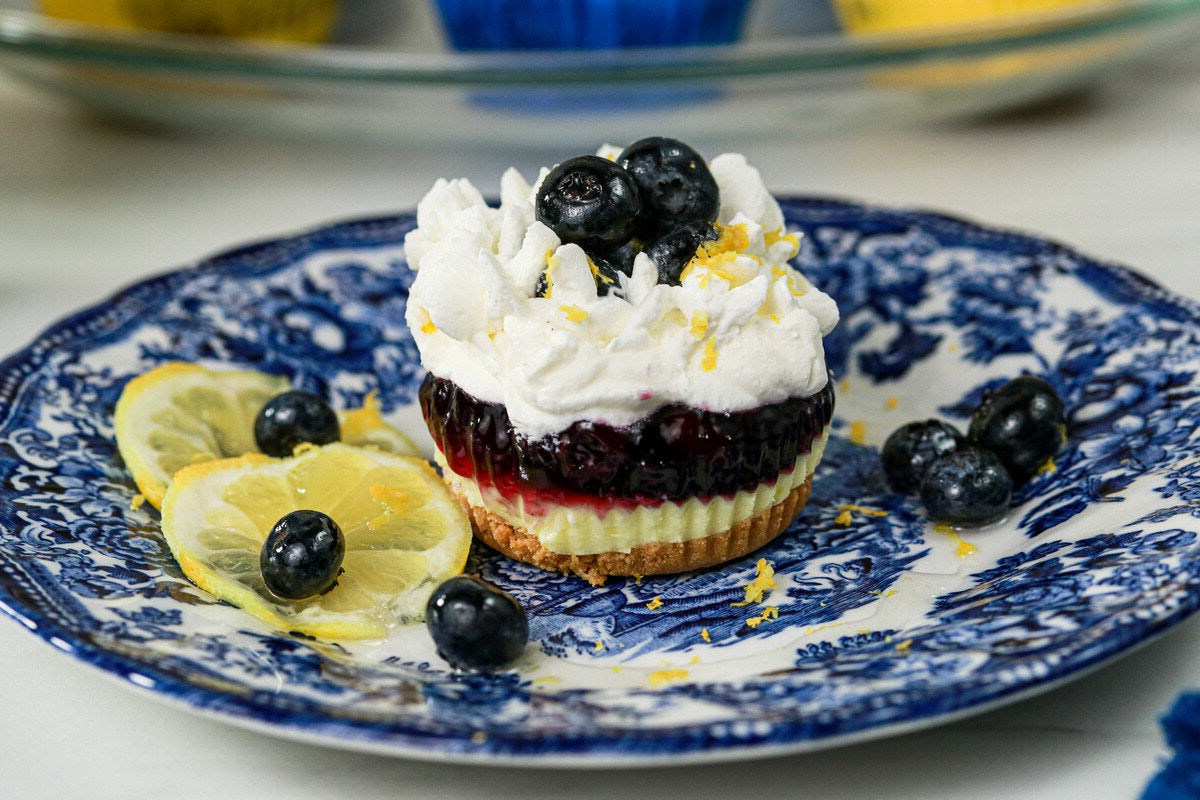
405	534
180	414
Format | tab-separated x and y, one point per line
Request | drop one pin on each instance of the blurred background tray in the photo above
386	73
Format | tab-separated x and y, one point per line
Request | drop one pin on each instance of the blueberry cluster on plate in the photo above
657	197
969	480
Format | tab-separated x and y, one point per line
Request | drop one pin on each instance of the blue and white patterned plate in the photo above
884	623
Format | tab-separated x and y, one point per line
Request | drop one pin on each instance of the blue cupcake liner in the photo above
589	24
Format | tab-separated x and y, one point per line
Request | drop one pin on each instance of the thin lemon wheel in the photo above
405	534
179	414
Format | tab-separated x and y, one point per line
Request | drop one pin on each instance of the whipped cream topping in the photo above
743	330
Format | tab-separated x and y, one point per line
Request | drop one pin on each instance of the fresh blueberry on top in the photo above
911	448
671	251
475	625
1023	422
302	555
675	184
968	486
589	201
294	418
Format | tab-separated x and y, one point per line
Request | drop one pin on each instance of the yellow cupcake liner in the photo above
894	16
270	20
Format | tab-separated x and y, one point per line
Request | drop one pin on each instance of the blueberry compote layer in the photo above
676	453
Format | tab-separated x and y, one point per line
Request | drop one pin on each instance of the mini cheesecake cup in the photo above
731	484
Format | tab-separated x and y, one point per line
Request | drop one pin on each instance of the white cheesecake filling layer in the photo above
580	530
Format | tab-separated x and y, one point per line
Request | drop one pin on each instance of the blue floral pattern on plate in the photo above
880	621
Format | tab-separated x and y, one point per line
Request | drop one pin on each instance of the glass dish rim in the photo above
28	33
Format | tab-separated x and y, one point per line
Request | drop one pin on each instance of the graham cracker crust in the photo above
648	559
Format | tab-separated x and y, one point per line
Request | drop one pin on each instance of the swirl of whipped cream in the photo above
743	329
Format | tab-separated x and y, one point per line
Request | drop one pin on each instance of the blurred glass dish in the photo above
786	75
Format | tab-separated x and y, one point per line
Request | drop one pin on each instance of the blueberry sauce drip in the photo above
675	453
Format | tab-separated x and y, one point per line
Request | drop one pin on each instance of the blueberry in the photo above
293	418
302	555
608	265
968	486
474	625
911	448
591	202
1022	422
671	251
675	184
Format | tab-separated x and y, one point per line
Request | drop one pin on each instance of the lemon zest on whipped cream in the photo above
699	324
763	583
708	362
771	238
427	325
574	313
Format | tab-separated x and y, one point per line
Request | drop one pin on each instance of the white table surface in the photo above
87	207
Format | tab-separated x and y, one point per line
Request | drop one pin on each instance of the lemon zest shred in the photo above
769	613
392	498
844	519
892	402
138	500
358	422
655	604
774	237
574	313
708	362
858	431
763	583
902	647
599	646
864	510
662	677
704	634
699	324
427	325
962	548
1048	468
